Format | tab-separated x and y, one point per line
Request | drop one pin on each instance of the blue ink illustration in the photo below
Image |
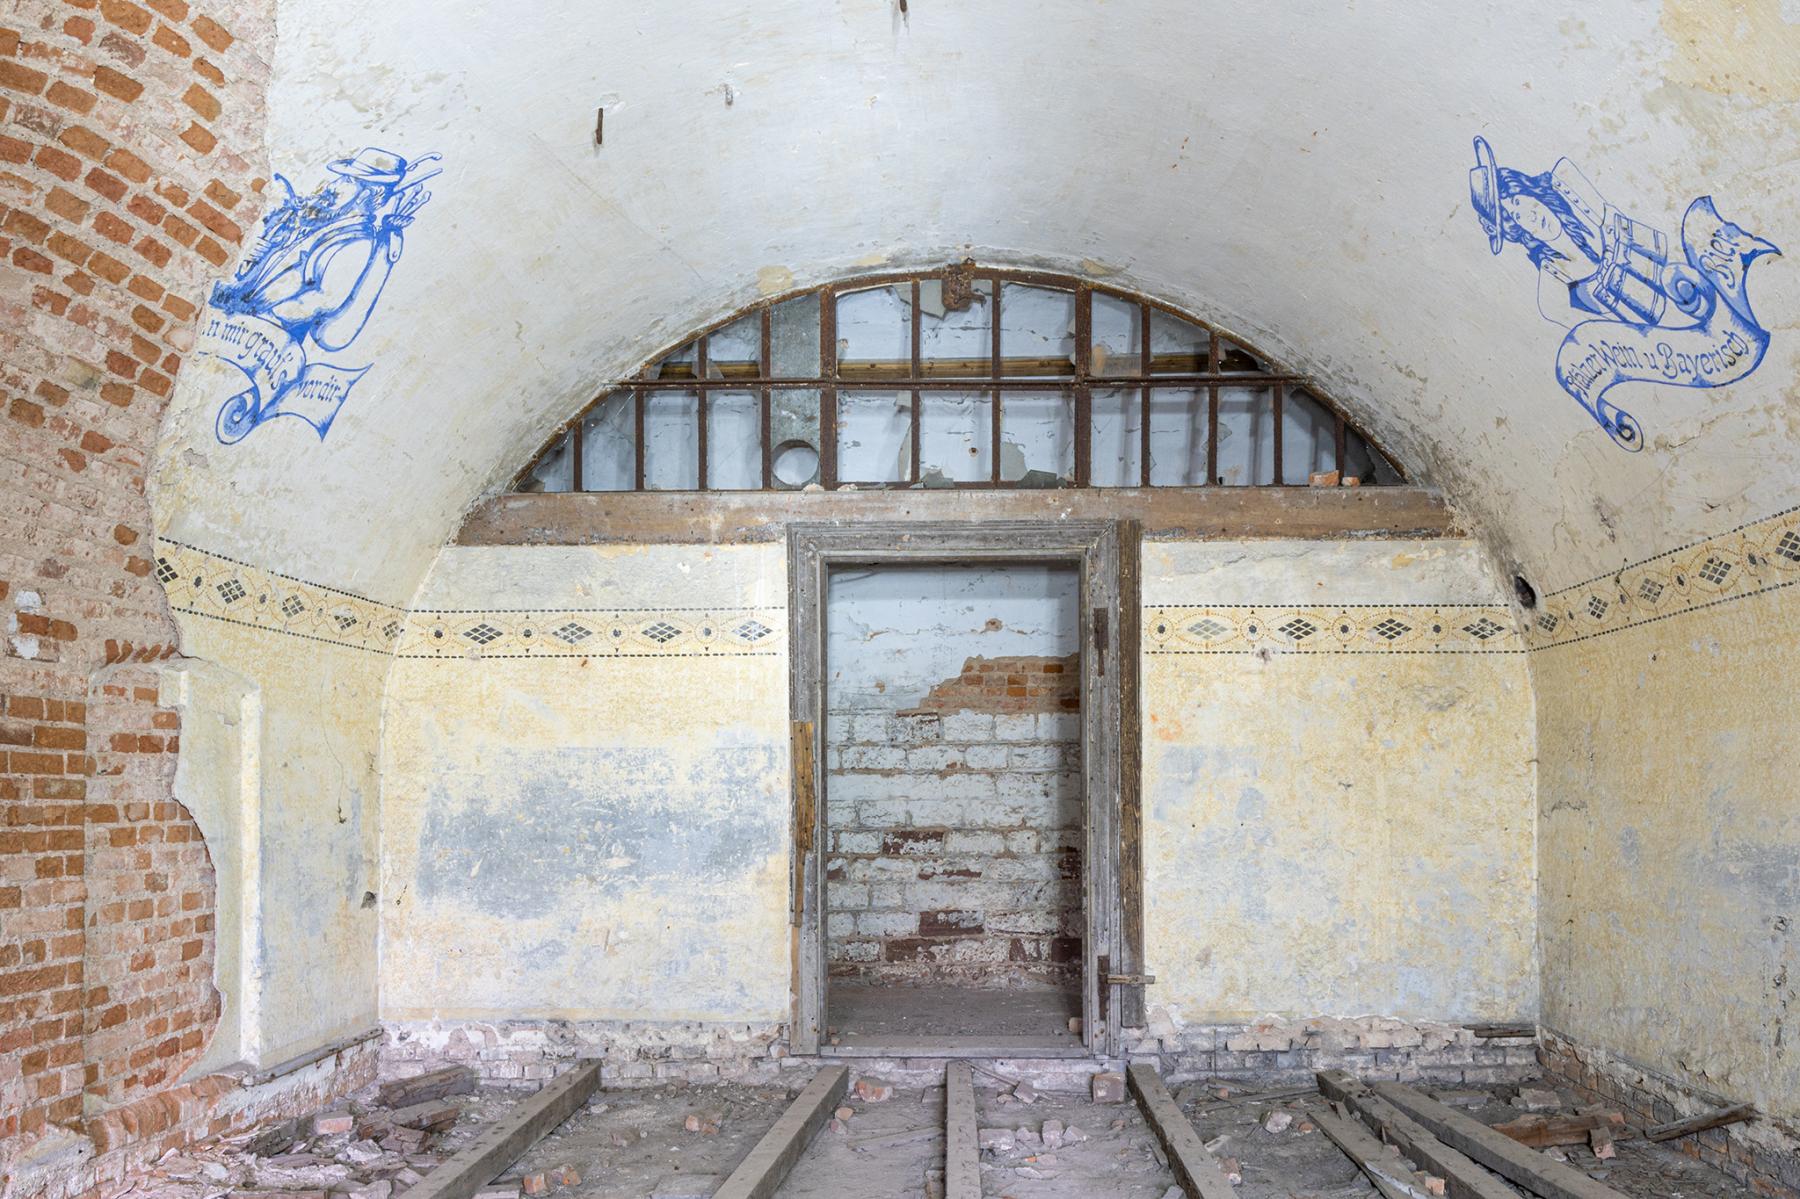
1634	312
308	286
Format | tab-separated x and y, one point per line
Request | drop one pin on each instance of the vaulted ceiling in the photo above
1299	174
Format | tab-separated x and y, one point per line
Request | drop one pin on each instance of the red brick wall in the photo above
130	148
1022	684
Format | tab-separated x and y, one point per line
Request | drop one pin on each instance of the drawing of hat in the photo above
1484	193
372	165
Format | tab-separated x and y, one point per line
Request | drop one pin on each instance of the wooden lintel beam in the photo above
1164	513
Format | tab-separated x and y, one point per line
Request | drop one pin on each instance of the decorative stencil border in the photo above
595	633
1749	560
211	585
1325	629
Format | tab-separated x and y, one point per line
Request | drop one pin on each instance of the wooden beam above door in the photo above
1165	513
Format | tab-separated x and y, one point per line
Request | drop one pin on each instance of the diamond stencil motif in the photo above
1298	629
482	633
1208	628
343	619
753	630
292	605
1789	546
1391	628
165	572
231	590
1547	623
391	629
1650	591
662	632
1596	607
1483	629
1715	570
571	633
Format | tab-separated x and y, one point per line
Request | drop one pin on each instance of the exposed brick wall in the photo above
130	167
956	836
1019	684
1763	1155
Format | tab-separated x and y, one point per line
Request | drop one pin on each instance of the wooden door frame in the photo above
1106	555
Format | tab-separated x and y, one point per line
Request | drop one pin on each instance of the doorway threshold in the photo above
852	1045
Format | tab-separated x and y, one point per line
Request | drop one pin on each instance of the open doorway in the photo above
979	941
954	803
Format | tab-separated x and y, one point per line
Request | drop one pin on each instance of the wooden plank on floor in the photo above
1195	1169
1498	1152
761	1172
1464	1178
1700	1123
962	1155
1386	1171
505	1142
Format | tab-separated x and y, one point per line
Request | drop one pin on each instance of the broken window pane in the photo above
955	435
1118	443
1308	437
874	437
1178	423
1363	461
733	441
735	352
1177	346
609	445
794	434
678	365
1235	359
1037	331
956	342
1037	436
1246	436
671	441
794	338
874	333
555	471
1118	336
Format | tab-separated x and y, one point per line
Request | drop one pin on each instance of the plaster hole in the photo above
1528	596
368	899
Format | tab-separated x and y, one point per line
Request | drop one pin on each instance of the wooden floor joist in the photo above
1195	1169
962	1155
761	1172
1464	1179
1498	1152
1700	1123
489	1154
1389	1174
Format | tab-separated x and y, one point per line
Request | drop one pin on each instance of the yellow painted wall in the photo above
586	788
316	668
1338	784
1671	816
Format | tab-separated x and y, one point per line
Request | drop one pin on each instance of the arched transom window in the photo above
964	377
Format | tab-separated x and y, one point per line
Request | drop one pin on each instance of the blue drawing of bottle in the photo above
309	285
1638	306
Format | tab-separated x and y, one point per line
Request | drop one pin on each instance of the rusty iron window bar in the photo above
792	384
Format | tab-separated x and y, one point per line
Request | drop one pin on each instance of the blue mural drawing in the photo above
1637	307
307	287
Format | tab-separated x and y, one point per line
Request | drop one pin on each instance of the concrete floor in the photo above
860	1015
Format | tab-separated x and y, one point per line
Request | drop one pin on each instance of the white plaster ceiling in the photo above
1297	172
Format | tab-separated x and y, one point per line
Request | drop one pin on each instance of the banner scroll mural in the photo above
308	287
1634	312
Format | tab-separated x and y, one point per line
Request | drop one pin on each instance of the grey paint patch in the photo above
537	825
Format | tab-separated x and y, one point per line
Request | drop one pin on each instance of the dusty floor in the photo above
873	1014
680	1142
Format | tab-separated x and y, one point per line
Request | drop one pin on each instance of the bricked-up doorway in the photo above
1009	790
